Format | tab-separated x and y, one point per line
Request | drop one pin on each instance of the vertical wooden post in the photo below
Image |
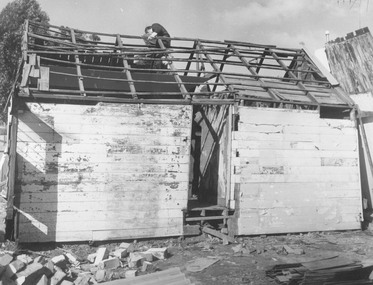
25	41
12	150
230	190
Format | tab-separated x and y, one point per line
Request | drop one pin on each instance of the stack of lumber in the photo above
336	270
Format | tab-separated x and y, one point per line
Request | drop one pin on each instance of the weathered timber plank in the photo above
307	213
289	117
76	178
124	195
59	130
293	137
30	148
65	217
94	225
247	127
93	186
58	121
243	162
100	235
102	157
87	187
263	143
286	202
94	139
109	109
134	205
293	170
299	177
294	153
251	227
114	167
268	189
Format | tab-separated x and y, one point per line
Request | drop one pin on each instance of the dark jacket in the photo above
162	32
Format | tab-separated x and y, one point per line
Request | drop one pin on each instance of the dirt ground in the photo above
243	262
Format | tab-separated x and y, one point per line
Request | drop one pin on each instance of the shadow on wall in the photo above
36	187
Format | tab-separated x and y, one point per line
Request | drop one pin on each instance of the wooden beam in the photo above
366	146
77	98
12	137
78	69
292	75
25	40
127	71
261	60
273	93
183	90
216	68
190	58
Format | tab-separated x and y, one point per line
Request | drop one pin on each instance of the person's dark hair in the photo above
147	28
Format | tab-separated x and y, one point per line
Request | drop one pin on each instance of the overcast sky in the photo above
285	23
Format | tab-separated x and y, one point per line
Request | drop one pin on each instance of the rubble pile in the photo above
124	262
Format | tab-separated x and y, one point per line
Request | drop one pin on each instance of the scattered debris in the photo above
124	262
200	264
290	250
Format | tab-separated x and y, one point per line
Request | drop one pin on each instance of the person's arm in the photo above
152	35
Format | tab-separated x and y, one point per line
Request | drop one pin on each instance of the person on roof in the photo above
157	30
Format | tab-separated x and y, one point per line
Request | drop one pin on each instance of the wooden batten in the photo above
110	171
295	172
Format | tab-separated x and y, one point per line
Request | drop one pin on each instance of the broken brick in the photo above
91	257
127	246
135	259
43	280
5	259
110	263
58	259
72	259
120	253
82	280
148	256
26	259
57	277
147	266
159	253
32	268
100	275
101	254
131	273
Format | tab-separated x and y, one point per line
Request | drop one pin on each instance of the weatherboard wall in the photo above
110	171
294	172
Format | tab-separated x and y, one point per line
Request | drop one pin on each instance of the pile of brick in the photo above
67	269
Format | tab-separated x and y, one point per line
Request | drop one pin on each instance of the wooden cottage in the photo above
351	62
112	139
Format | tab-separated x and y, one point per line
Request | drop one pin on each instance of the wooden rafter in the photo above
292	75
121	65
180	83
78	69
274	94
215	68
127	71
